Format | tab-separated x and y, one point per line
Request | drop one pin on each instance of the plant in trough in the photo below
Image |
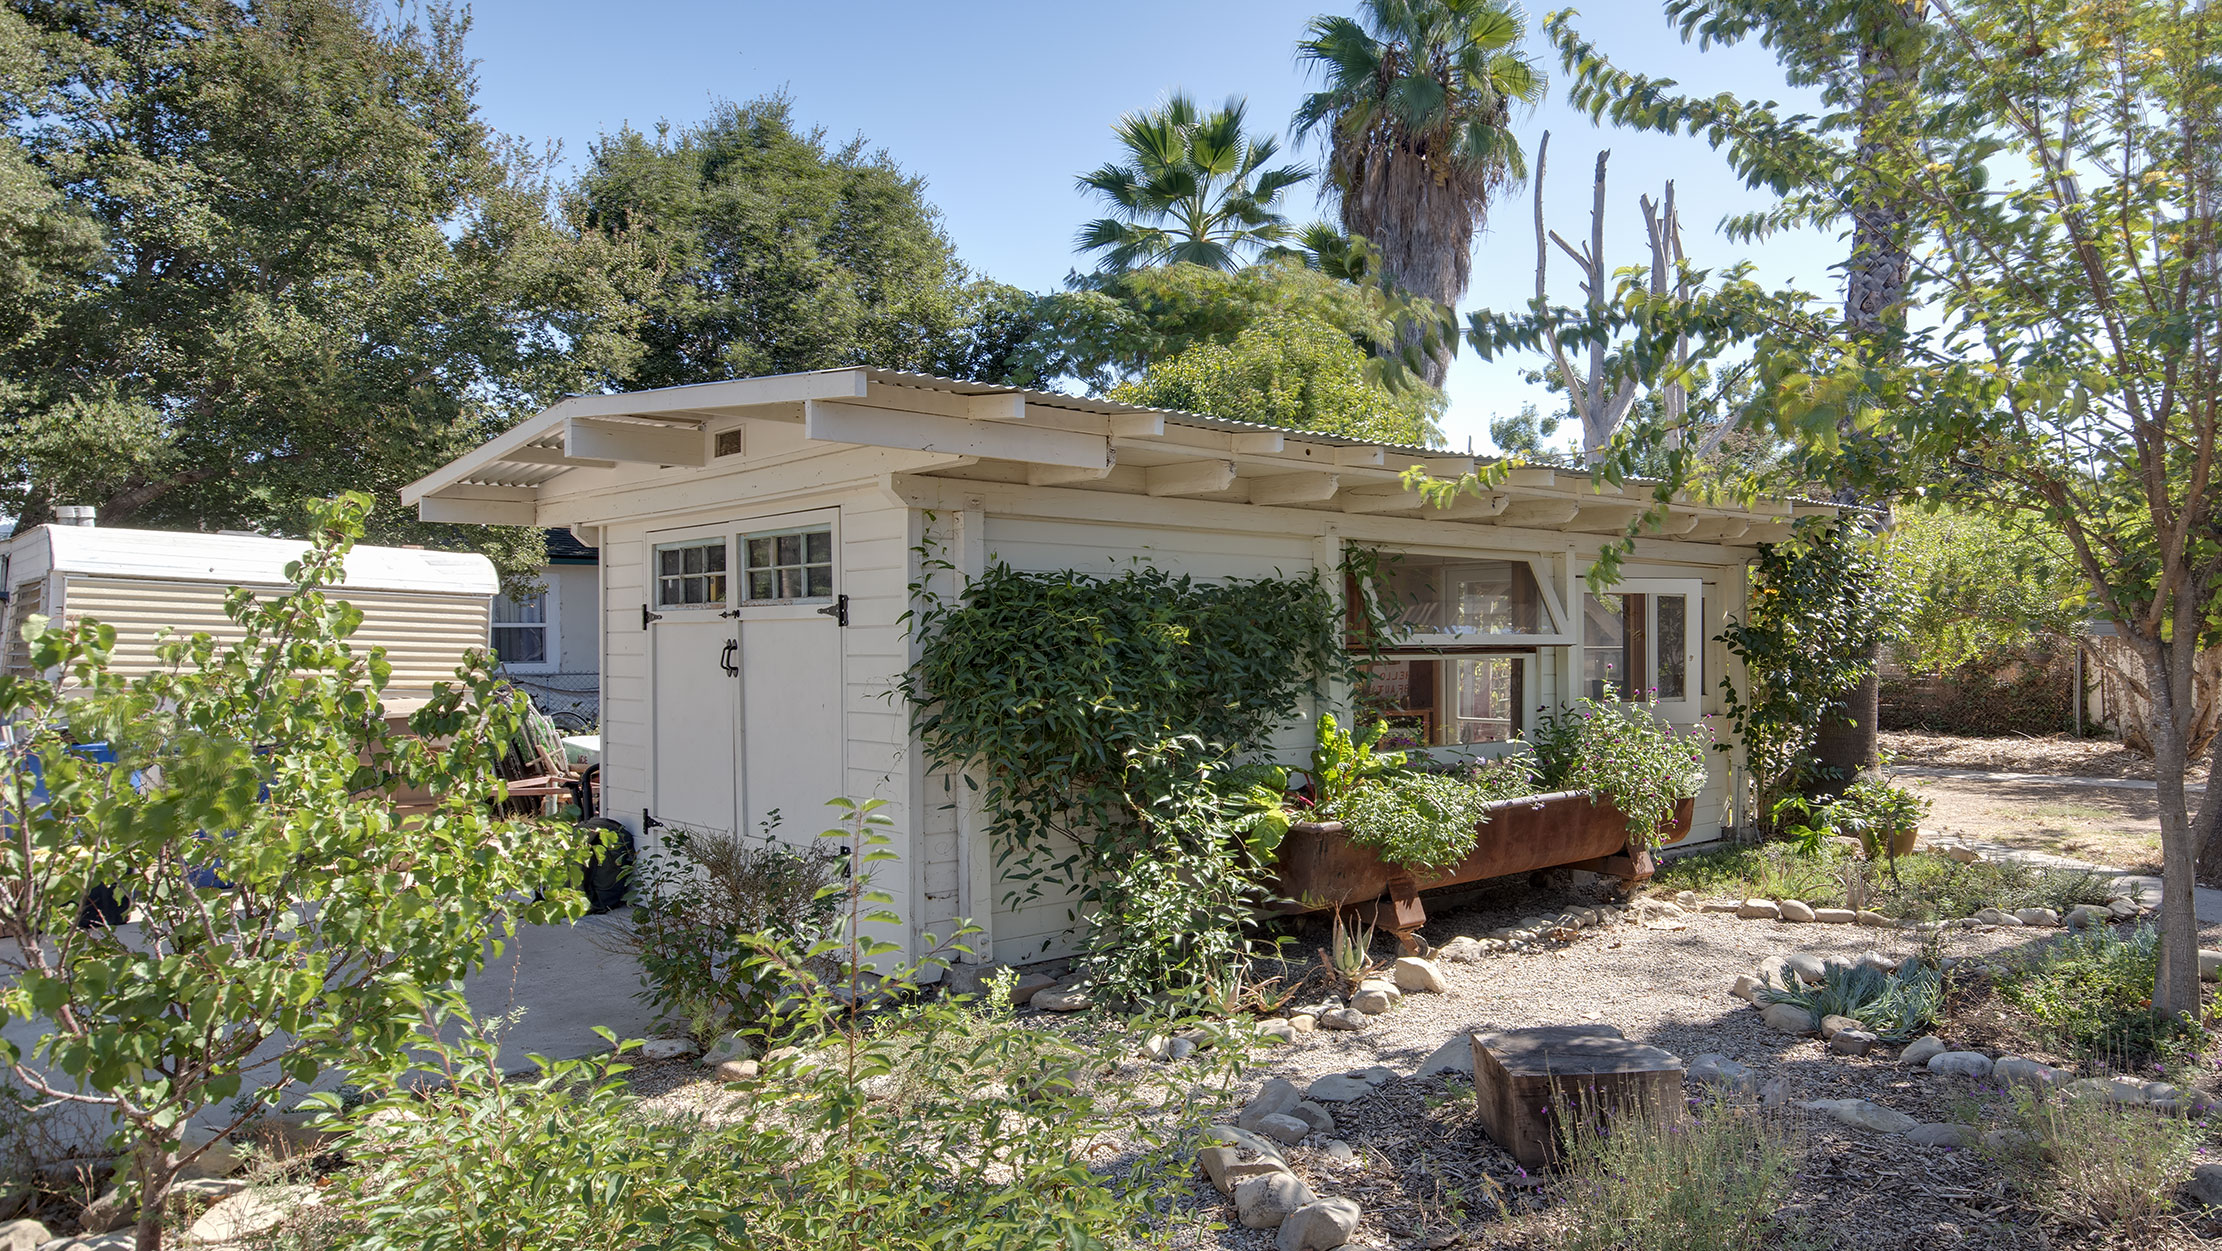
1622	752
1424	821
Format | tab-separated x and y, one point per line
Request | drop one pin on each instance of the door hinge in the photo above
648	618
838	610
648	821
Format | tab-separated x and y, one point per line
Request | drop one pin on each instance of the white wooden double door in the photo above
744	623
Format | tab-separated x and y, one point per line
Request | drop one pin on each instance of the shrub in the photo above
700	911
1622	752
2091	995
2095	1165
935	1124
1928	887
285	917
1429	820
1711	1182
1895	1006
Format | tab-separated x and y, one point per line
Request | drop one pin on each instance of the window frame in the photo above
1690	707
718	538
816	525
1560	631
551	640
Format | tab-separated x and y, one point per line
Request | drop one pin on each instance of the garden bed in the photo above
1320	867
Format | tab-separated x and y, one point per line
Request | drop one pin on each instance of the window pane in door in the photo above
1673	646
1605	650
691	574
790	565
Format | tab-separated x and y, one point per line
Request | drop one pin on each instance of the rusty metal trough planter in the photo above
1320	868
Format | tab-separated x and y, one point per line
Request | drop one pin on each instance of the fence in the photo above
573	700
2032	691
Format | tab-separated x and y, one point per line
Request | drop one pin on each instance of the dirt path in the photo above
2057	754
2110	825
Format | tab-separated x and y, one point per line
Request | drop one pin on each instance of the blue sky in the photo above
999	105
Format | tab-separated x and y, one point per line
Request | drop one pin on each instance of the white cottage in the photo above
759	538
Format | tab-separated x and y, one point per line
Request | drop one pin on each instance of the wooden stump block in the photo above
1526	1079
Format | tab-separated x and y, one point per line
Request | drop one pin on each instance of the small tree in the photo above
283	917
2052	180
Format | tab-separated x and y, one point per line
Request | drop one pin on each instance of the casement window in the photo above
524	632
691	574
1458	665
1645	639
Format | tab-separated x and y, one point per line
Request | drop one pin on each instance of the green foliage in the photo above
238	345
1622	752
2091	994
701	911
265	763
1894	1006
768	249
1095	717
1343	762
1193	189
1429	820
1294	372
874	1136
1927	887
1659	1182
1817	606
1981	585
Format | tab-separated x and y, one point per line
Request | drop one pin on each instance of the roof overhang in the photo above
1040	438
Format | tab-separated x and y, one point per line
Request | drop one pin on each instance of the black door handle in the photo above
725	658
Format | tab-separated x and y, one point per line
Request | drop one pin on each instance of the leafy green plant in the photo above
701	909
1343	762
1095	717
1660	1182
871	1135
2090	994
284	917
1622	752
1428	820
1895	1005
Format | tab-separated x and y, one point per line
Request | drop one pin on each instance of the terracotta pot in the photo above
1902	841
1320	868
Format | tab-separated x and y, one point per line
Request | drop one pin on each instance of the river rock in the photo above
24	1235
2210	965
1276	1096
1717	1070
1788	1017
1062	999
1832	1025
2019	1069
1282	1128
251	1213
1993	916
1943	1135
1873	919
1775	971
1414	975
1319	1226
1455	1056
1343	1019
1851	1042
1864	1114
1922	1050
2122	908
1746	988
2037	916
1460	950
1834	916
1276	1031
665	1049
1029	985
2206	1184
1338	1088
1318	1118
2085	916
1264	1202
1759	910
1960	1063
1372	1002
1796	910
1809	967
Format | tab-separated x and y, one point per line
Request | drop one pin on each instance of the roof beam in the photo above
1451	467
1718	529
1468	508
1604	518
1202	477
1675	525
1137	425
1361	457
738	393
482	506
593	438
1065	475
992	406
1382	501
830	421
1294	488
1257	444
1531	476
1539	513
535	455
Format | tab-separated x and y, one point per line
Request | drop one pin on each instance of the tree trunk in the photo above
157	1169
1845	744
2176	988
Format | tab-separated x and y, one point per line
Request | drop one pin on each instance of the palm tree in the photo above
1417	110
1193	188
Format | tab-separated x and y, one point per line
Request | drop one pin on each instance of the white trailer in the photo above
426	608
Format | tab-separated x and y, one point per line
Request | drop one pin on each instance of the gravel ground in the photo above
1428	1177
2057	754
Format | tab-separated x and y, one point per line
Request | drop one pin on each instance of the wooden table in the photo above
1526	1079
